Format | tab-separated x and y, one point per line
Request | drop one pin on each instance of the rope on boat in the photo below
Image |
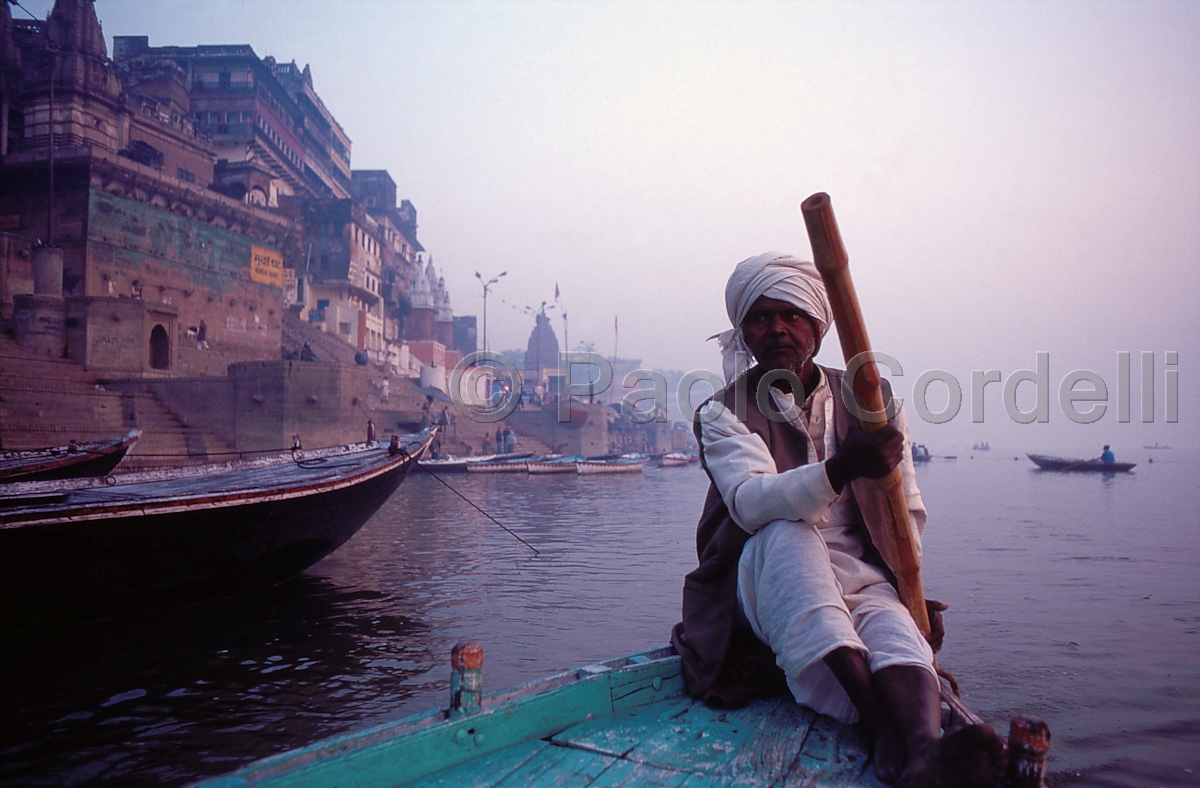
191	455
481	511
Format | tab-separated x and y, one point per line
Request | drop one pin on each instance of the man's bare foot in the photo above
971	757
889	755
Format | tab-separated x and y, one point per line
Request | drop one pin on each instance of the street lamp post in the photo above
487	285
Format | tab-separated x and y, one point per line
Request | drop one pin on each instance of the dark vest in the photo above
723	662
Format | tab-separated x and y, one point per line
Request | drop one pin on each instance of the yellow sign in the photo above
266	266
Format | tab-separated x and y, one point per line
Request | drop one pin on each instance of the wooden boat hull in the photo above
675	460
503	466
168	536
73	461
588	467
462	464
1048	463
550	466
626	721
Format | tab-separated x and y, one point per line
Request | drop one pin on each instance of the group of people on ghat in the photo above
795	590
506	441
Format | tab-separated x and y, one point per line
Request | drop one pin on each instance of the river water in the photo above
1074	597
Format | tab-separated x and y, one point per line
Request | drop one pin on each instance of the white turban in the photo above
774	275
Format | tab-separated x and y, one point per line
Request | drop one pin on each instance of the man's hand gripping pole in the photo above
832	261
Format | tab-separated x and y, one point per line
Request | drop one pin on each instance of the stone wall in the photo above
38	322
323	403
542	425
16	269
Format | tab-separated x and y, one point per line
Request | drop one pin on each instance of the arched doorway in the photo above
160	348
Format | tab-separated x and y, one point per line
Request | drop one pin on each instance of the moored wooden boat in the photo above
623	722
188	532
72	461
507	465
1049	463
614	465
675	459
555	465
460	464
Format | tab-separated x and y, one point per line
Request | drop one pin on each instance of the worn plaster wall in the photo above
38	322
200	271
323	403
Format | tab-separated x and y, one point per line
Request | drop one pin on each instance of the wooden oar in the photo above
1081	462
832	261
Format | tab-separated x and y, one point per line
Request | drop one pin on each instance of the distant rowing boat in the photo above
1155	445
675	459
189	532
72	461
1048	463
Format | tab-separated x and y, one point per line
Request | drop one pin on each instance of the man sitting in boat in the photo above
791	589
1107	457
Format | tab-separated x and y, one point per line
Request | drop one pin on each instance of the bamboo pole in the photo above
832	261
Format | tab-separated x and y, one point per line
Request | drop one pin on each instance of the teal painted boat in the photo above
625	722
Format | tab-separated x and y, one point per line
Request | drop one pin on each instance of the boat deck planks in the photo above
215	485
626	722
680	742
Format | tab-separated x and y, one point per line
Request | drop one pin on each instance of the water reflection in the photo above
1072	598
194	690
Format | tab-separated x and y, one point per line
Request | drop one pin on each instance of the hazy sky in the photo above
1010	177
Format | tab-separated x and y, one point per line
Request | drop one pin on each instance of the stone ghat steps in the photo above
21	366
57	419
327	347
48	402
82	417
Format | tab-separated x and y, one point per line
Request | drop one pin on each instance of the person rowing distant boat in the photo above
1107	457
791	588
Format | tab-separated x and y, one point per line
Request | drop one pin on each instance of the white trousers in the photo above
806	591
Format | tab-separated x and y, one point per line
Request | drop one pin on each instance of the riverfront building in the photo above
186	219
203	193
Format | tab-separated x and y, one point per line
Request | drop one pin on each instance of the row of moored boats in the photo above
555	463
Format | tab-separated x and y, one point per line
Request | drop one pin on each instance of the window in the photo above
247	117
214	117
186	175
231	117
